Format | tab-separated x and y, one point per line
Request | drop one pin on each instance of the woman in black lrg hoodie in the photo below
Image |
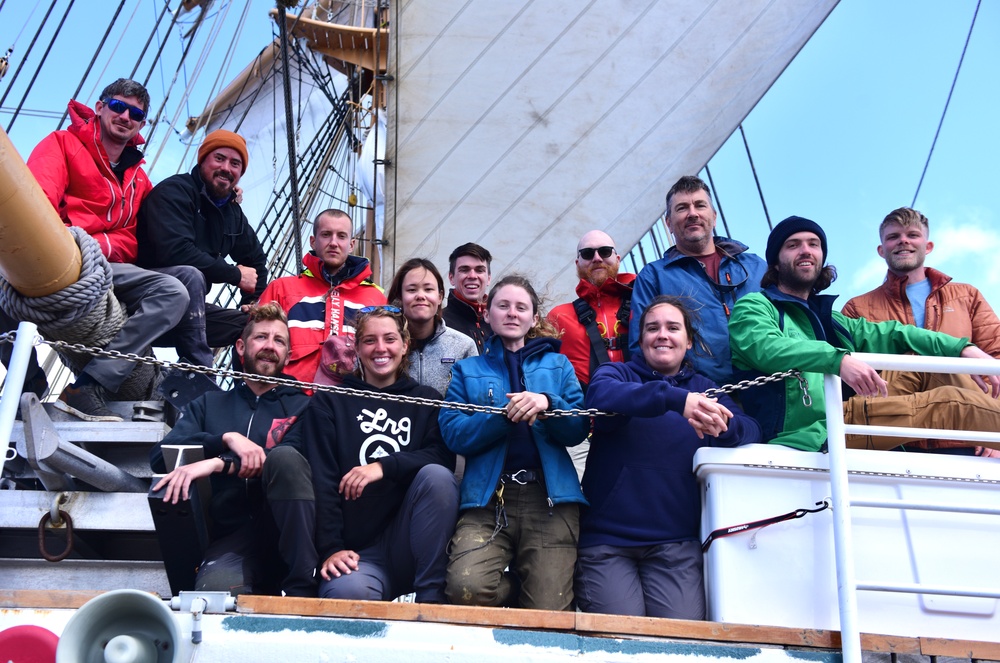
386	494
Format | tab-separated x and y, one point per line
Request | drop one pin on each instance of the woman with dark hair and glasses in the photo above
639	540
434	348
386	494
520	492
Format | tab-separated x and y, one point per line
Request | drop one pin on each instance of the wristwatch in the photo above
228	460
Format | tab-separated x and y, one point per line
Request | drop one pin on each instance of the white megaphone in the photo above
122	626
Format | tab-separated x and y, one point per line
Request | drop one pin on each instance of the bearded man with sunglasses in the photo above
595	326
711	272
92	174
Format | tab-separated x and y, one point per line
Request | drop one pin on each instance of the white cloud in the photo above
868	276
967	250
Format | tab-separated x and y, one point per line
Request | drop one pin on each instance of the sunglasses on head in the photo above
388	309
118	107
604	251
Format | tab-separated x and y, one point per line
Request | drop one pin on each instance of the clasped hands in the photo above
707	416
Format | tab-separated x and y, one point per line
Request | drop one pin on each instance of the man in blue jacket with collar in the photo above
711	273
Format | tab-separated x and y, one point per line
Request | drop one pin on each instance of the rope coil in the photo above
85	311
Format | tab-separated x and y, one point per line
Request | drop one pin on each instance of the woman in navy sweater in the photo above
639	541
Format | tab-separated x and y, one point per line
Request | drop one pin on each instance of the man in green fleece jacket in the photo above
790	325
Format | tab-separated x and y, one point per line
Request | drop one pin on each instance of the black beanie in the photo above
787	228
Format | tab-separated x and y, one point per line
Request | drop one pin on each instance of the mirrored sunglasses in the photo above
118	107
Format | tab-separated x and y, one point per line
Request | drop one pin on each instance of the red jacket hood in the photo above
359	268
82	118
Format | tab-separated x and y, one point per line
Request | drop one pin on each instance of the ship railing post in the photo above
843	542
14	383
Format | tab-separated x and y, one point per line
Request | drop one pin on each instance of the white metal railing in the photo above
27	333
837	430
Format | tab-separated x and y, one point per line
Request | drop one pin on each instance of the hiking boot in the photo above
86	402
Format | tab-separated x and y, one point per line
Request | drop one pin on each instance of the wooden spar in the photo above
38	255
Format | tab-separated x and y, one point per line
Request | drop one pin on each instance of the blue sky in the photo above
841	137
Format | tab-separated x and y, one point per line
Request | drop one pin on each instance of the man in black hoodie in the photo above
262	507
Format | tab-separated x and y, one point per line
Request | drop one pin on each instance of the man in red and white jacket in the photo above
92	174
323	301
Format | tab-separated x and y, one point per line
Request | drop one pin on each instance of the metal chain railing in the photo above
762	380
9	337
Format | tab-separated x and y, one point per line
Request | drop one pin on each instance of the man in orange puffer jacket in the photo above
924	297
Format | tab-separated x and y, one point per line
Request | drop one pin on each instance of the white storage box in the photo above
789	578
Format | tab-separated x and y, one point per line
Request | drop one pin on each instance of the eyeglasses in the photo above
604	251
118	107
384	307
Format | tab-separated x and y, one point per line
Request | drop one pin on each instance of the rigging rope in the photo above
718	201
223	71
86	310
26	21
93	59
753	169
155	119
220	19
228	61
111	58
289	129
163	44
149	39
944	112
38	69
27	53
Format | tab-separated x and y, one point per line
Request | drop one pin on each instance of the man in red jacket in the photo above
323	301
922	296
92	174
601	313
595	326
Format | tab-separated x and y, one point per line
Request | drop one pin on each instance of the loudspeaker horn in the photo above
121	626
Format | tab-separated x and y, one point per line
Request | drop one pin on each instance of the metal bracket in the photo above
217	602
40	440
56	460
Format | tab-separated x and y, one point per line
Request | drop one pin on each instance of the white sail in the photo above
521	125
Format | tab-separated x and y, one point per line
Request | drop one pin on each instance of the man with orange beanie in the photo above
190	225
